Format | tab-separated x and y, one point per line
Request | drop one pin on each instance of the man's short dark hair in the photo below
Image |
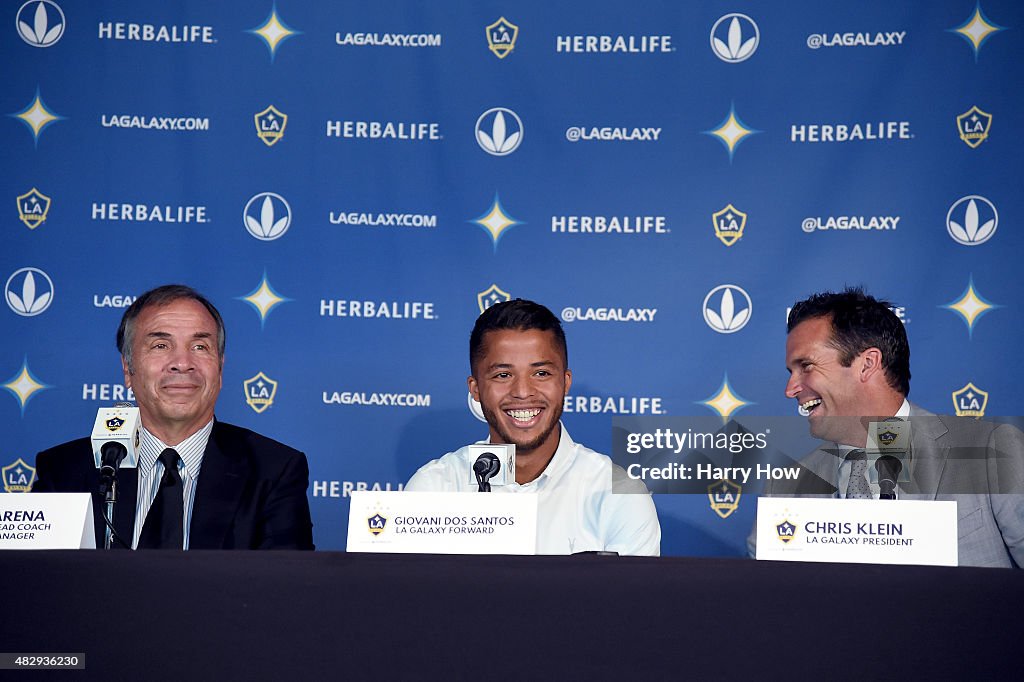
518	314
159	297
859	322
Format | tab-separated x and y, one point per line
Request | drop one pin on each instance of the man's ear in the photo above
474	390
870	363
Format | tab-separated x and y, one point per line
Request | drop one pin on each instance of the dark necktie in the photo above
858	488
163	527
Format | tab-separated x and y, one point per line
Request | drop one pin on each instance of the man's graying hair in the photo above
159	297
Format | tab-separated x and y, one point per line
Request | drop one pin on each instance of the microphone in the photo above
115	438
888	468
485	467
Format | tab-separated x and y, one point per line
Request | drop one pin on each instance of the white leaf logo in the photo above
734	48
731	315
39	33
34	296
263	221
978	224
505	134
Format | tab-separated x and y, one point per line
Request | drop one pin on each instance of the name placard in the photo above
857	531
46	521
442	523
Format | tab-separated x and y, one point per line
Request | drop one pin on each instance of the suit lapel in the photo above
221	483
928	453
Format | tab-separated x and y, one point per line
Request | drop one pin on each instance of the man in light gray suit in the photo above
849	363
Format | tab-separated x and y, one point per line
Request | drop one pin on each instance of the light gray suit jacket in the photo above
978	464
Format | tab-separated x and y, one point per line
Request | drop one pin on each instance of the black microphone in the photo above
888	468
485	467
112	454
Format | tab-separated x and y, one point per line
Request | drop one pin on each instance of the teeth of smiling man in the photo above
522	415
810	404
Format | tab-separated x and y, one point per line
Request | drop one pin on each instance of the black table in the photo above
326	615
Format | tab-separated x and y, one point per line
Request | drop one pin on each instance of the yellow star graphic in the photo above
36	116
274	32
496	221
977	29
970	306
731	132
725	401
23	385
264	299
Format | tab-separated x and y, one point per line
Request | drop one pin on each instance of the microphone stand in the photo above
111	500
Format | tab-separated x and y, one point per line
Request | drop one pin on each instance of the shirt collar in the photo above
560	462
189	450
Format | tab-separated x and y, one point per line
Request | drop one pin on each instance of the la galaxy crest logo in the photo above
785	531
501	37
270	124
33	207
970	401
973	126
18	477
114	423
887	438
724	497
259	392
40	23
376	524
490	296
729	224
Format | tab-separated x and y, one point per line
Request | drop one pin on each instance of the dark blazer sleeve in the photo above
286	519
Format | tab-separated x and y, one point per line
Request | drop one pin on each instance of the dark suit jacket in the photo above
251	492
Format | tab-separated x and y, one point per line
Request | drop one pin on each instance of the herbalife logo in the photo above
734	38
499	131
40	23
29	292
727	308
972	220
267	216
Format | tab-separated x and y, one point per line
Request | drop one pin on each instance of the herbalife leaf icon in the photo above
25	295
972	231
721	311
734	48
267	216
499	131
46	28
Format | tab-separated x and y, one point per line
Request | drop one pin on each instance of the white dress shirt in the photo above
151	470
576	508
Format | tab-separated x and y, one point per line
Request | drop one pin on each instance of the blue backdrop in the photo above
351	182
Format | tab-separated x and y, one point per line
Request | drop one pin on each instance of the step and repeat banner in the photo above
353	183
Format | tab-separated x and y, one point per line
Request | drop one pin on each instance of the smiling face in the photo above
521	382
176	368
834	395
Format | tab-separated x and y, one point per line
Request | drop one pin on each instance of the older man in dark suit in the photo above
200	483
